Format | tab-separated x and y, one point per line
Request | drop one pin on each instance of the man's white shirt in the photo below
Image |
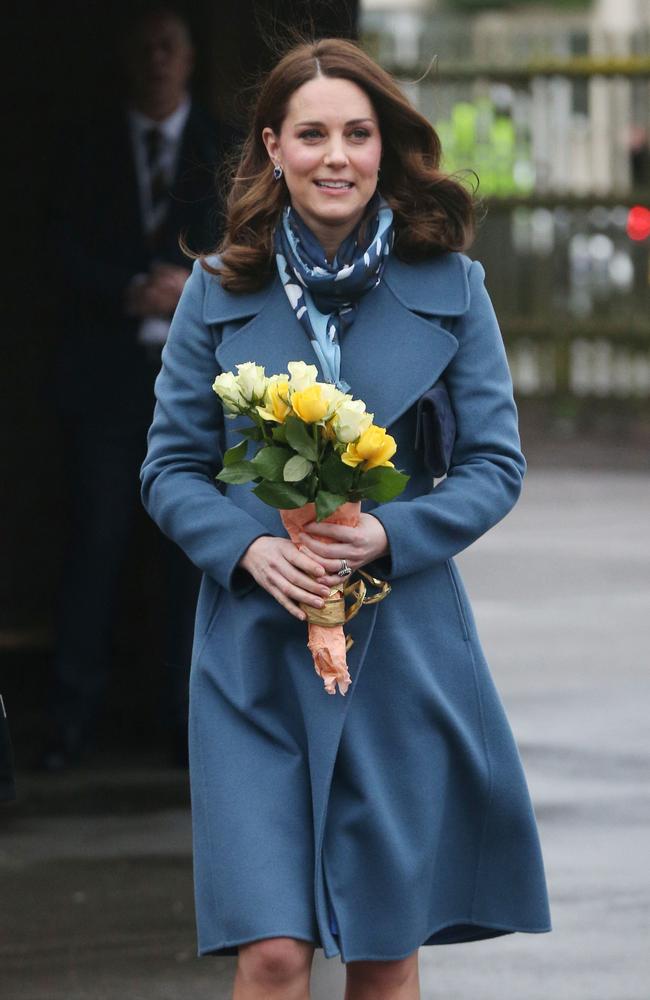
154	329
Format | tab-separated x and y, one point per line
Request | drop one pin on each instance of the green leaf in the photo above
279	433
382	483
300	438
327	503
335	475
252	433
236	454
281	495
238	472
270	462
296	469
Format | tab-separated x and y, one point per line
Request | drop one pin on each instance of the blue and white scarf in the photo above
325	296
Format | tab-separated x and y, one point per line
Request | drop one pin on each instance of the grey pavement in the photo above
95	867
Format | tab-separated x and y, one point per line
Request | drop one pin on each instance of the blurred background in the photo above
549	104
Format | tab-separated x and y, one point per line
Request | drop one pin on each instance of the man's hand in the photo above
157	293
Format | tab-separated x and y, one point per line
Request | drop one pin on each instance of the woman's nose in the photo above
335	154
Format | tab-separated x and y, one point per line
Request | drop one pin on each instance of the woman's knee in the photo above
275	960
391	974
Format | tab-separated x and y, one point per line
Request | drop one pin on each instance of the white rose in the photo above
252	381
333	396
351	420
302	375
227	389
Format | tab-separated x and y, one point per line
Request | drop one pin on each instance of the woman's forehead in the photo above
329	99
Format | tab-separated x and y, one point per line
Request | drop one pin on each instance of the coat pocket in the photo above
462	617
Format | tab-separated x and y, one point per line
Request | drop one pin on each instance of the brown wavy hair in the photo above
433	212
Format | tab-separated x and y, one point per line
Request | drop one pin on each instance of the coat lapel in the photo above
392	353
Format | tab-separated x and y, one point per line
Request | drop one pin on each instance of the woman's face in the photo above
329	147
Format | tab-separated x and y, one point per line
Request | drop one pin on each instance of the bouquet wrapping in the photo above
319	455
327	640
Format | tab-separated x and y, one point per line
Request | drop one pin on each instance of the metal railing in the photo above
556	123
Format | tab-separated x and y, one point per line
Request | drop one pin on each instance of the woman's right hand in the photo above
286	572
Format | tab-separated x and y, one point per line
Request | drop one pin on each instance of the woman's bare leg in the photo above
398	979
276	968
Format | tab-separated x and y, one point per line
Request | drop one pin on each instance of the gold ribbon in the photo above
334	611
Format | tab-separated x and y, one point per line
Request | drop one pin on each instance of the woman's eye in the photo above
360	133
310	134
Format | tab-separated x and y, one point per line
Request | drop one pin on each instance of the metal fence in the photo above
555	120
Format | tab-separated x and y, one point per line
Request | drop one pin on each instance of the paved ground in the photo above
95	869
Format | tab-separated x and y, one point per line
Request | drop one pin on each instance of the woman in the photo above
398	815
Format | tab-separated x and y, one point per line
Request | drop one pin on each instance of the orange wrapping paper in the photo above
326	642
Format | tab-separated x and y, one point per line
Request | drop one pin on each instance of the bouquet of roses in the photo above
318	456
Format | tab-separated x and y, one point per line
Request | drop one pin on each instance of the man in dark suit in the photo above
142	179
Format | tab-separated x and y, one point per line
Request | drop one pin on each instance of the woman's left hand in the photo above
359	545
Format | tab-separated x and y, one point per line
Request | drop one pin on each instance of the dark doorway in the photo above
62	73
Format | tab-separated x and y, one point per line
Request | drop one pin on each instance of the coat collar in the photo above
390	355
437	287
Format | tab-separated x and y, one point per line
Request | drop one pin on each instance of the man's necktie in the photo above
158	185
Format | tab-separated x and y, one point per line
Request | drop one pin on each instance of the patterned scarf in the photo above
335	288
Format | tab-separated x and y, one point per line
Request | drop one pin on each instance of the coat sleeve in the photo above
487	467
185	451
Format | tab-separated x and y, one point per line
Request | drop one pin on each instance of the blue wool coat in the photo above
398	815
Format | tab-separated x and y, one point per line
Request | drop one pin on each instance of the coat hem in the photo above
498	929
214	949
492	930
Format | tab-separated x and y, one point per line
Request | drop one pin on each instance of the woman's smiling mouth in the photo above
327	185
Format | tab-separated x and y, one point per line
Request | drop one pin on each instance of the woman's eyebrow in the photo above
353	121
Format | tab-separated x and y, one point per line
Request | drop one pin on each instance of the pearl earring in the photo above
277	172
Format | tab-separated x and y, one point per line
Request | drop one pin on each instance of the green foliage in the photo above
335	475
236	454
327	503
300	439
293	457
253	433
478	137
280	495
270	462
297	468
383	483
238	472
279	434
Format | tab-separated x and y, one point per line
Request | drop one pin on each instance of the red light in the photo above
638	223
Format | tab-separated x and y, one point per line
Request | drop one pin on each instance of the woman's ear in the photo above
272	143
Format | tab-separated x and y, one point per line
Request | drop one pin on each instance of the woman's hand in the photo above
288	574
358	545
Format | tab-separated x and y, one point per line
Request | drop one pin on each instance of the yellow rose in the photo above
310	404
276	402
373	448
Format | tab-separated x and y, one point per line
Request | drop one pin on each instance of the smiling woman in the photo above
397	816
329	149
328	113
